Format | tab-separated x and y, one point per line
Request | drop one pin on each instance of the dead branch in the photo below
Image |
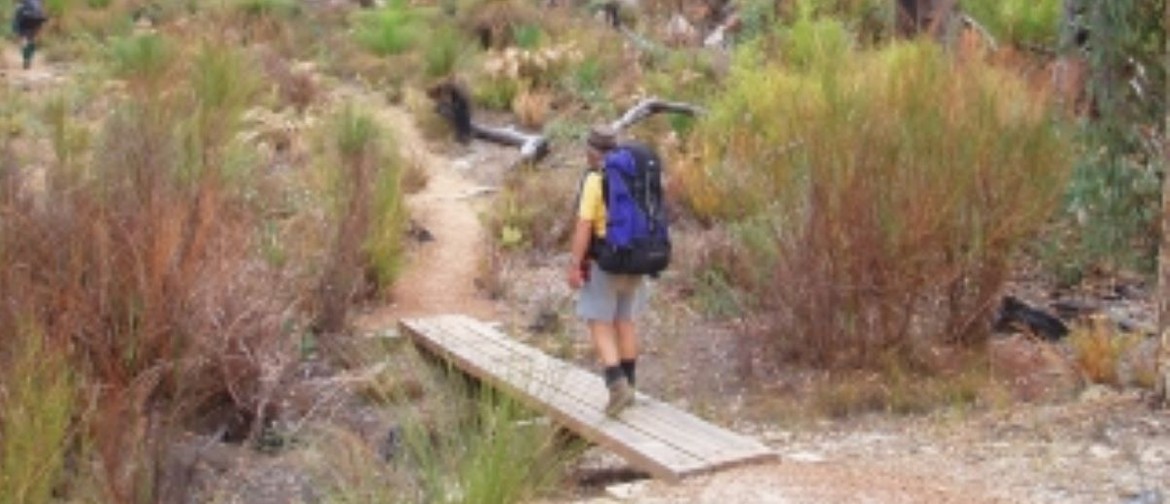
651	106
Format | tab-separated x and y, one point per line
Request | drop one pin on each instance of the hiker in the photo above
608	301
26	23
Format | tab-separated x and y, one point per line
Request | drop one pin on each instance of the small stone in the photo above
626	491
804	457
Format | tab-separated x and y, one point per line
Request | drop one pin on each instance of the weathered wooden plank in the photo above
660	416
550	388
659	459
693	435
664	441
718	447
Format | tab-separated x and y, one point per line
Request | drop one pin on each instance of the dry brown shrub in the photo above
532	108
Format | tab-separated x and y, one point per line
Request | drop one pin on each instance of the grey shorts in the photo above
608	298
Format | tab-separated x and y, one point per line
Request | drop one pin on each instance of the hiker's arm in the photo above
579	247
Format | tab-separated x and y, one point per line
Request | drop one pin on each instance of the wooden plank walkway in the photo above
653	436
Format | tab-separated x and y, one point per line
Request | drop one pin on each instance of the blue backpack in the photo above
637	241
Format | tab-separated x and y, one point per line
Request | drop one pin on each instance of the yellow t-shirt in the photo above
592	205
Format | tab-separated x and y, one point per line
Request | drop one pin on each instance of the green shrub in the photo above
895	185
143	60
1114	202
395	29
532	211
442	53
383	250
366	209
37	394
1021	22
527	36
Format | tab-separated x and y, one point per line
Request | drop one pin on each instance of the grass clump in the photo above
365	188
893	186
38	393
392	30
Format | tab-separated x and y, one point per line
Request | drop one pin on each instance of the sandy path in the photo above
440	274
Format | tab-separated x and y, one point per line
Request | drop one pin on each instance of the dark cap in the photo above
602	138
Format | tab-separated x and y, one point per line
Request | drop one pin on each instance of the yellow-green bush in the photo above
1019	21
895	185
364	179
37	397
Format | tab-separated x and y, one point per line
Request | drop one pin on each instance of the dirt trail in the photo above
440	274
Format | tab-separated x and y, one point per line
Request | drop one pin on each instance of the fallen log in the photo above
532	147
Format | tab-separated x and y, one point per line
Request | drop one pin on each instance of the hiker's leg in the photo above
604	342
627	340
30	47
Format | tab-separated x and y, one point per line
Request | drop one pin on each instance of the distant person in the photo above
619	209
26	23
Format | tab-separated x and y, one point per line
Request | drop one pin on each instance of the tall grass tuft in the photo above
889	189
37	402
367	209
485	448
144	61
391	30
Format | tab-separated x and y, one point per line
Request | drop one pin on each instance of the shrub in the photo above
894	184
148	272
1098	350
37	394
1021	22
143	60
533	210
394	29
367	209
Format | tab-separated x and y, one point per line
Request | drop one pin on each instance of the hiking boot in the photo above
621	396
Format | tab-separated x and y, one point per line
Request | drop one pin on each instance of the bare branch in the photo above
651	106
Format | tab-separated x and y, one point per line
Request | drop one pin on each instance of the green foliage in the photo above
821	42
527	36
365	189
495	93
37	395
223	86
1020	22
394	29
59	8
489	451
1113	203
586	80
384	250
442	53
143	59
531	211
265	8
888	180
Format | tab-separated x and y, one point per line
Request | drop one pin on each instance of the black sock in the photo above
613	374
628	368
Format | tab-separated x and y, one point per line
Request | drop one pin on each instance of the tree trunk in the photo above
1162	387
